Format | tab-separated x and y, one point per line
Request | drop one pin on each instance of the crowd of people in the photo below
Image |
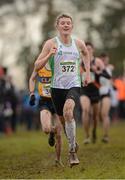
8	103
73	85
15	110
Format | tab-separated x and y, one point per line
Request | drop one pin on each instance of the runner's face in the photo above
106	60
65	26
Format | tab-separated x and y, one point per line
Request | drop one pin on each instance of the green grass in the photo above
27	155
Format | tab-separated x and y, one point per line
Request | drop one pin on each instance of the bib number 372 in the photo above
68	68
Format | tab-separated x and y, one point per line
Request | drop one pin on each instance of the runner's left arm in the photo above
86	60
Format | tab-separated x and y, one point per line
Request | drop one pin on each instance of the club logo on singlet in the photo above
60	53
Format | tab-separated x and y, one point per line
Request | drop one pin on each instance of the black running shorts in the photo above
46	103
92	92
59	96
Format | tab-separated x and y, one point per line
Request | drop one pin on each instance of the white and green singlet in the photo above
65	66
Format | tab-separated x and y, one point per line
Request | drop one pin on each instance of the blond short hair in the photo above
63	16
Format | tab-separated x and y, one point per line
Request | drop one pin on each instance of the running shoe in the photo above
73	159
105	139
51	139
87	141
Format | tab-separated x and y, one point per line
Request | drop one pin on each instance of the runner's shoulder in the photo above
80	43
50	42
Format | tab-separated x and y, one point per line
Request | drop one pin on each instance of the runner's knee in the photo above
68	110
86	111
46	130
104	115
58	136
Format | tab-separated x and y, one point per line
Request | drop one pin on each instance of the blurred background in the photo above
26	24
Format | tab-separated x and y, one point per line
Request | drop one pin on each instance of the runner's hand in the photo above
53	50
87	79
32	100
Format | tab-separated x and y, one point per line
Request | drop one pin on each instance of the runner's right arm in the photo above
32	81
48	50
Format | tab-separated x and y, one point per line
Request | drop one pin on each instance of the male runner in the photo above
64	52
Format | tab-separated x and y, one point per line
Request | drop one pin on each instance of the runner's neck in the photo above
66	40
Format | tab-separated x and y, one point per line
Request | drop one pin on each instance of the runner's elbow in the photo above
36	65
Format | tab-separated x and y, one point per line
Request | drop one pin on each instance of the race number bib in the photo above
46	90
68	67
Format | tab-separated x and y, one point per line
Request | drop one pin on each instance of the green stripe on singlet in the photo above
51	63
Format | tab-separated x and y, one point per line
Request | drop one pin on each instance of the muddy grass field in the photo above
27	155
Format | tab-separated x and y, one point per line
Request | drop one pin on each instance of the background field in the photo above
28	155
